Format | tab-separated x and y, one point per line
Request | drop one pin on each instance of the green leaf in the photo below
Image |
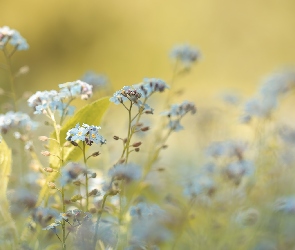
90	114
6	220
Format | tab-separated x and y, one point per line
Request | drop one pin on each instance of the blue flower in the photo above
200	184
86	133
18	41
151	85
176	113
70	172
148	226
76	89
13	37
97	81
235	171
285	204
185	54
16	120
129	172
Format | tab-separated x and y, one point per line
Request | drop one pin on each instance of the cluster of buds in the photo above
131	94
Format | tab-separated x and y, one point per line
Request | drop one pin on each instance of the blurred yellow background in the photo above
241	41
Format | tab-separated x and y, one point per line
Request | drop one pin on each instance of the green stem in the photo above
64	113
184	221
98	219
86	177
57	132
129	130
11	78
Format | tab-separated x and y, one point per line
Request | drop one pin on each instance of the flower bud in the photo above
77	182
95	154
116	137
43	138
122	160
74	143
93	210
48	170
93	192
76	197
93	175
137	149
136	144
145	129
51	185
67	144
45	153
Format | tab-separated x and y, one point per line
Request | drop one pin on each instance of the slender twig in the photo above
86	177
11	77
98	219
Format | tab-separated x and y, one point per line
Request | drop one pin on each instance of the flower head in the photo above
151	85
17	120
176	113
127	172
186	54
70	172
13	37
97	81
52	99
86	133
76	89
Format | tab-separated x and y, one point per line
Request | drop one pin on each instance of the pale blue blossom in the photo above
185	54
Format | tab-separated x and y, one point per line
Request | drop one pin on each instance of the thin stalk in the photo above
184	221
57	132
86	177
138	115
11	77
129	130
64	113
98	219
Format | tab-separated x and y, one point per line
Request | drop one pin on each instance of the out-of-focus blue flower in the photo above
13	37
86	133
266	102
227	149
148	226
260	107
247	217
181	109
43	215
176	113
76	89
43	100
144	210
237	170
185	54
285	204
96	80
199	185
70	172
230	98
128	172
287	134
151	85
17	120
278	84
